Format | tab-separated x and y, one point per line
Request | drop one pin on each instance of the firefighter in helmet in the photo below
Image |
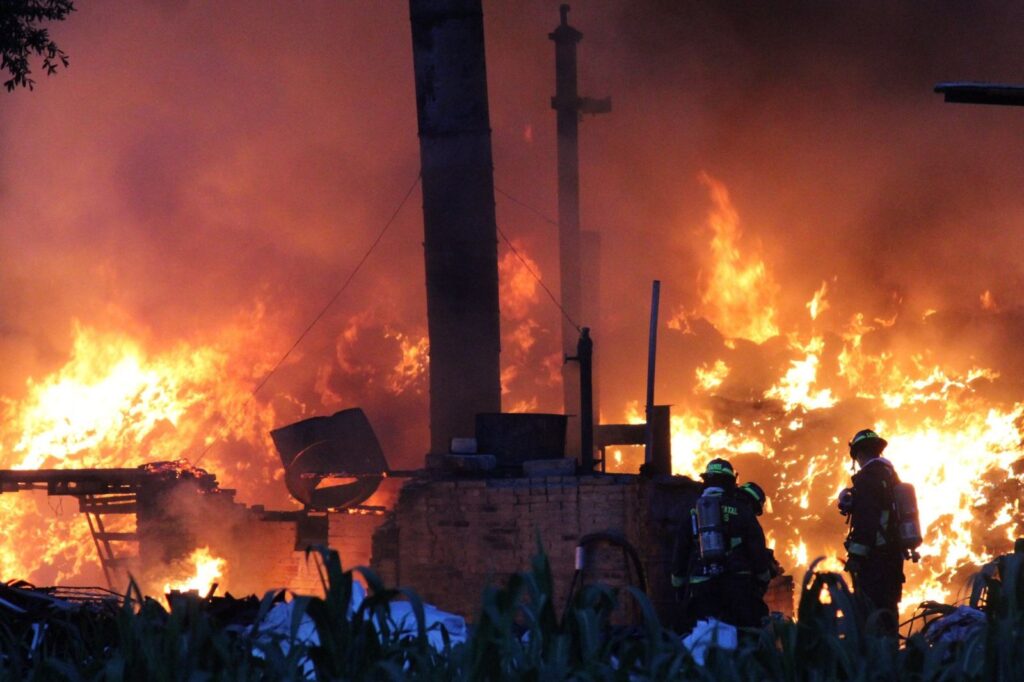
757	498
720	560
874	554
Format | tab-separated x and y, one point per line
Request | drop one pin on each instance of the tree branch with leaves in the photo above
22	37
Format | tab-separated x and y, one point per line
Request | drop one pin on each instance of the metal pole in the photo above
651	356
569	106
591	310
566	103
585	353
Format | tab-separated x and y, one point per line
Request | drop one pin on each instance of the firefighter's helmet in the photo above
718	467
756	494
867	441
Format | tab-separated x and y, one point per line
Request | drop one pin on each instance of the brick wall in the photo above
351	533
284	566
453	538
276	563
448	539
348	533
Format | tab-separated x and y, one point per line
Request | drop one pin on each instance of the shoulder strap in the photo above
891	479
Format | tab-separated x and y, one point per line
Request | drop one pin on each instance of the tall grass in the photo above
519	633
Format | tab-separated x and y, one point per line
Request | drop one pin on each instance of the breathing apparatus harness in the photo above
903	509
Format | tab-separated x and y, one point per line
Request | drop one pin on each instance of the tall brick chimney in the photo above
459	225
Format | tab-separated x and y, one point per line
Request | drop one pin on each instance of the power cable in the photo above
326	307
536	211
540	282
401	204
540	214
341	290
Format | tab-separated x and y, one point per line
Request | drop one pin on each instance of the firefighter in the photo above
720	560
874	555
757	498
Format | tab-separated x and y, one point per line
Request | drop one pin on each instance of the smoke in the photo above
821	120
184	524
198	160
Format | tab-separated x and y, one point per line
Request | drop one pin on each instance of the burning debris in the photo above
137	517
170	524
202	570
776	401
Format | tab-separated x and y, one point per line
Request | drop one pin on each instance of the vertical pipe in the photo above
585	353
652	348
591	310
460	232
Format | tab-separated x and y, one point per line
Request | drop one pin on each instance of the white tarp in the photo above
955	627
278	624
710	633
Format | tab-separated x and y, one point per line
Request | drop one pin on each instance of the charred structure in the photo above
460	233
147	522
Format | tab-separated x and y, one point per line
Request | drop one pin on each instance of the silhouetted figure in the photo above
756	497
720	561
874	553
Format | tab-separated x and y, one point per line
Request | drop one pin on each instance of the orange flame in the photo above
710	378
738	294
795	388
116	404
202	569
818	304
524	375
413	364
956	442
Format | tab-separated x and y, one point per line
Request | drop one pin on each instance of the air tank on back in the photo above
908	528
710	531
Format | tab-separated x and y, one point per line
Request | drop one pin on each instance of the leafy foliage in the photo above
21	37
519	634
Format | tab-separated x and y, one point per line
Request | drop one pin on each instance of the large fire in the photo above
780	402
115	404
951	433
